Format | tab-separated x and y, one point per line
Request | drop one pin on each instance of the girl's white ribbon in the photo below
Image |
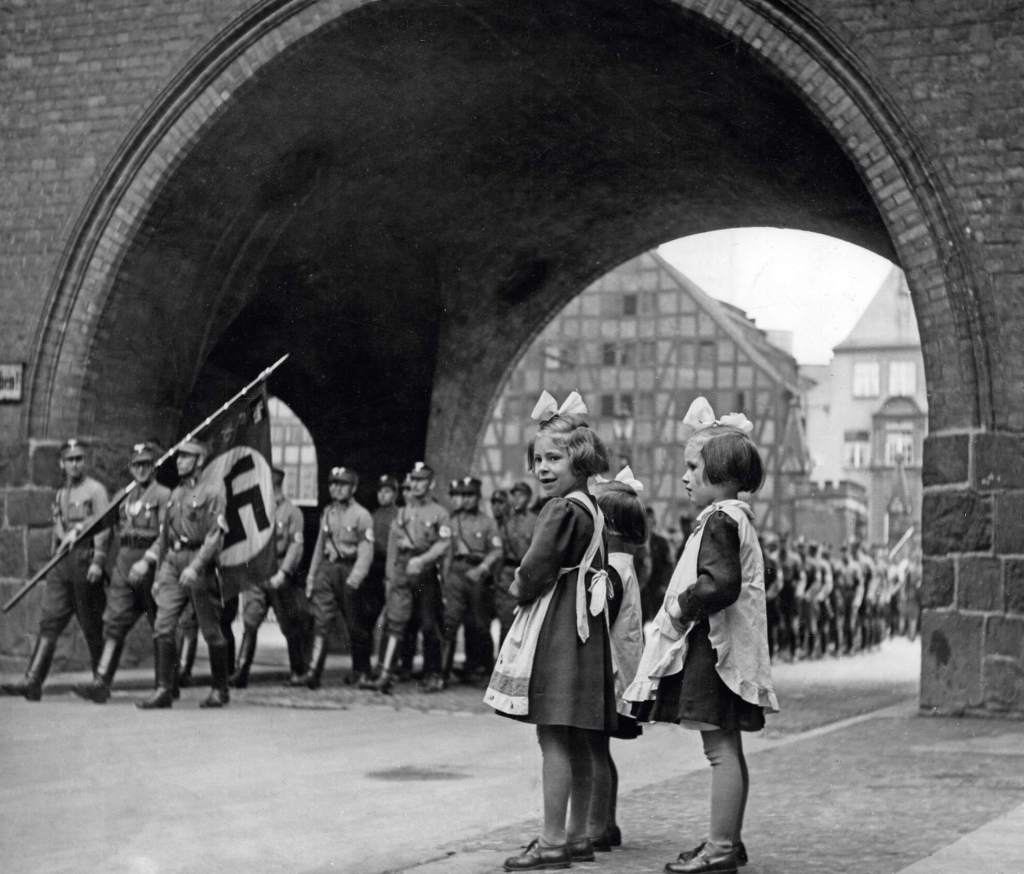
547	407
625	476
700	416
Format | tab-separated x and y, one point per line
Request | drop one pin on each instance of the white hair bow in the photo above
625	476
700	416
547	407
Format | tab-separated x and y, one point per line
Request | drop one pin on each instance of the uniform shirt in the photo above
382	519
74	506
415	529
517	532
346	532
288	537
476	535
140	515
195	516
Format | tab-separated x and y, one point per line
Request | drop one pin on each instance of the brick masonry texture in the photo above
946	74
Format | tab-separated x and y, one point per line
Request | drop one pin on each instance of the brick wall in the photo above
925	96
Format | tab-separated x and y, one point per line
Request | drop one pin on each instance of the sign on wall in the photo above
12	378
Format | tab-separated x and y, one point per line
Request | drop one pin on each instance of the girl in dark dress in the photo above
706	665
555	668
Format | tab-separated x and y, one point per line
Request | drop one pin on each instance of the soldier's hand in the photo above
189	578
138	570
95	573
475	574
414	566
277	580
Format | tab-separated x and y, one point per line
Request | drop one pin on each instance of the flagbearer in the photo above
75	586
419	539
474	554
341	560
139	519
279	591
184	554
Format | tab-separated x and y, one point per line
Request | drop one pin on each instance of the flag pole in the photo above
87	531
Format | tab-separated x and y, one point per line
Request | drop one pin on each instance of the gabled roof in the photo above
888	320
737	325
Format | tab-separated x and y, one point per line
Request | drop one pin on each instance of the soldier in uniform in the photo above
139	519
74	587
337	572
475	553
419	539
184	555
516	534
278	591
499	506
383	516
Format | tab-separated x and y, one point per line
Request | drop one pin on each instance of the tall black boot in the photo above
98	690
317	659
447	662
186	658
240	678
219	668
31	687
296	661
165	660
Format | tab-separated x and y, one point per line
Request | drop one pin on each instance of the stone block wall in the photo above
972	626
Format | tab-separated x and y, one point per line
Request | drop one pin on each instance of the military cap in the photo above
421	470
499	495
522	486
467	485
343	475
72	448
142	452
193	447
386	481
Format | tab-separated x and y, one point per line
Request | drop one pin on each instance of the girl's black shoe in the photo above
537	858
741	853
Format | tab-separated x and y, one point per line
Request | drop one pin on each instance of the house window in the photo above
857	449
865	379
552	358
899	444
629	304
902	378
609	355
607	405
645	352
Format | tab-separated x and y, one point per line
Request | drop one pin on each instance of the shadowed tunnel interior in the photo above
402	199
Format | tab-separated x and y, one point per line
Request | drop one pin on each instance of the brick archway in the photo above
921	229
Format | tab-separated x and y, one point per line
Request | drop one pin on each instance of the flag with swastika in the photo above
239	441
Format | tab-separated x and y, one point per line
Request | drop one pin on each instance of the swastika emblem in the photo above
249	492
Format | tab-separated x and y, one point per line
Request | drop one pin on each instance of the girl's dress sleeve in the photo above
548	550
719	573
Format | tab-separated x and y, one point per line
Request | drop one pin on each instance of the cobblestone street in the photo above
847	778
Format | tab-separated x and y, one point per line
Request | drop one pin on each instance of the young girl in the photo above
706	663
555	667
626	524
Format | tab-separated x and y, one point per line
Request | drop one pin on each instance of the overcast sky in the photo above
813	285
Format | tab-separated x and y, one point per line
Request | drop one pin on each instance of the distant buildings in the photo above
867	416
294	452
640	344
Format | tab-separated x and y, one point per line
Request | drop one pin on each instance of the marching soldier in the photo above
138	524
418	540
474	554
383	516
75	586
184	555
337	572
516	534
278	591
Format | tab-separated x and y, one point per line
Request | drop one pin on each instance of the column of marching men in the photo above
412	570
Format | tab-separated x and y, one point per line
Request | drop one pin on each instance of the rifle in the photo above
102	520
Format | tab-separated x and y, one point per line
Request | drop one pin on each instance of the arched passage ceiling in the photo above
417	171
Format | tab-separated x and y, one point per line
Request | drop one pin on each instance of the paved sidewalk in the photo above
889	792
